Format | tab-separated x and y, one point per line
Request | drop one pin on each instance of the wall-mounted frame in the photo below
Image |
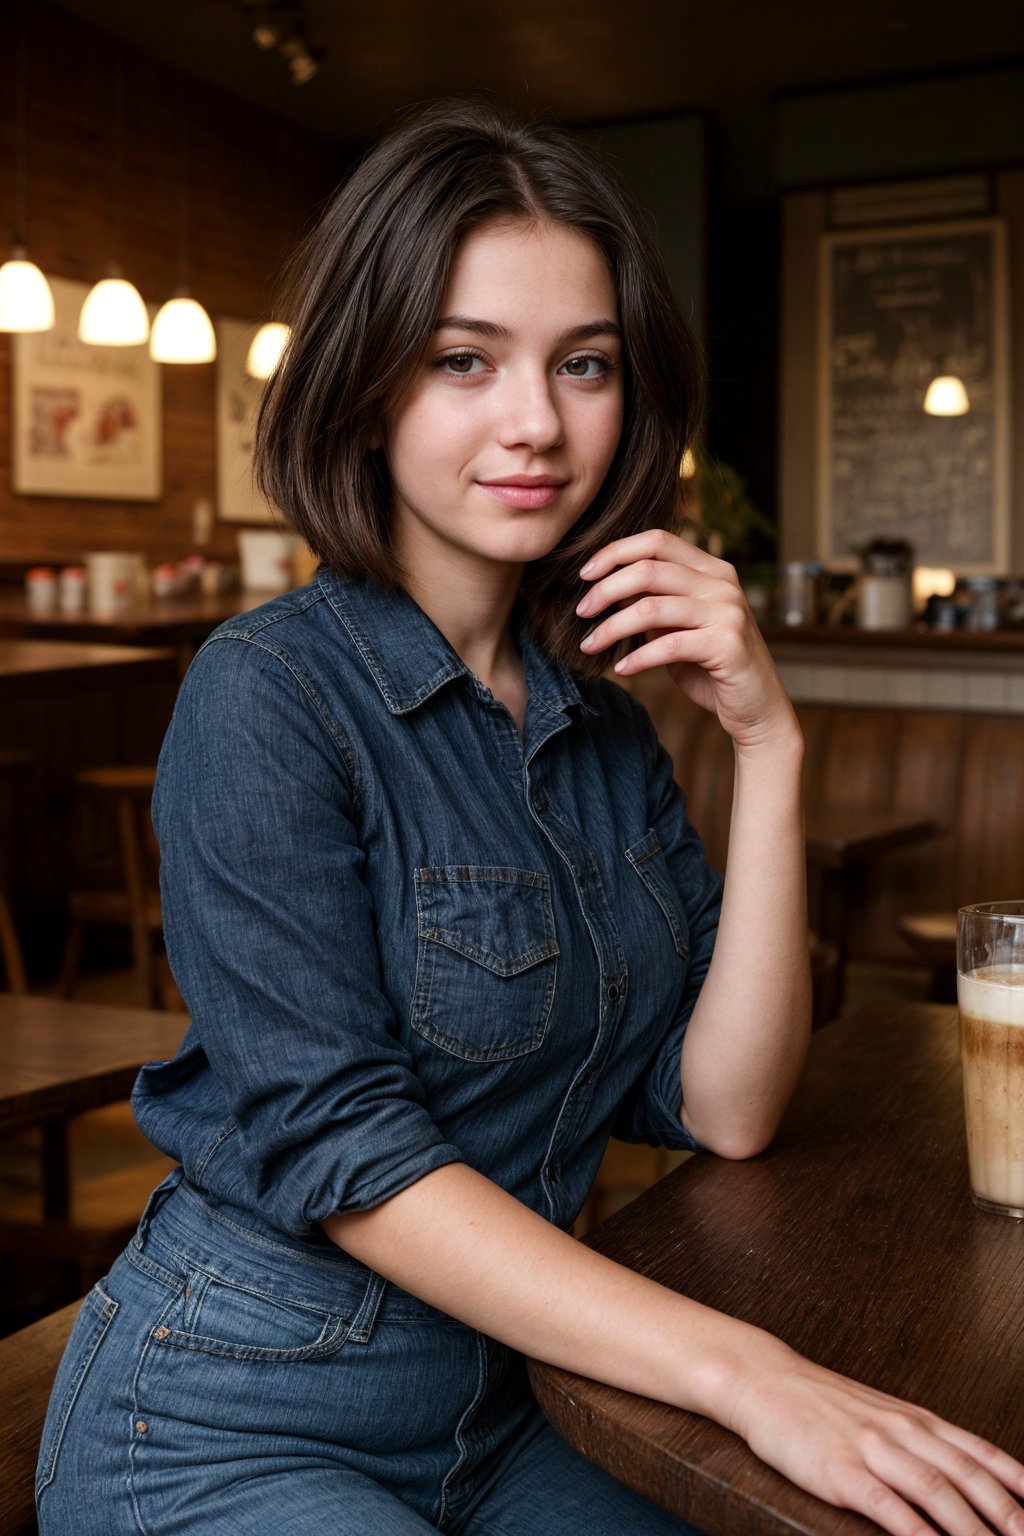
898	306
238	397
86	420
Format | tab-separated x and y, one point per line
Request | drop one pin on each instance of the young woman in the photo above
442	926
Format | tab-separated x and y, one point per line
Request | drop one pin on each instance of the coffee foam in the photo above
994	993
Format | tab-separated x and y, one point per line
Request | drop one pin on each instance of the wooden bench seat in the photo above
28	1364
963	769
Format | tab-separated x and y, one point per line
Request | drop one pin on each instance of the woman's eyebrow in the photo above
495	332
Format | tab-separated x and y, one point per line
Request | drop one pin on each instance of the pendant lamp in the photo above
266	348
114	314
26	302
182	330
946	397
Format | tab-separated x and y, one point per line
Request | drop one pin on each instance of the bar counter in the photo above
912	668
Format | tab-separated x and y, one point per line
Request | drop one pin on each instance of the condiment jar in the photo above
798	592
40	590
983	612
885	590
165	580
71	589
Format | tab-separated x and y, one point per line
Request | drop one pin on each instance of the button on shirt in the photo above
406	935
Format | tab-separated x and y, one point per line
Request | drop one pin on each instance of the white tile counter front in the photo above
902	671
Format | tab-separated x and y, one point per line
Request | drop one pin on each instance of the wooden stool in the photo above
135	904
932	938
28	1364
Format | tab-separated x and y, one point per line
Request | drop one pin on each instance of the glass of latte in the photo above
990	991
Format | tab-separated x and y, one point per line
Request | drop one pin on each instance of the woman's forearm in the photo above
462	1244
747	1039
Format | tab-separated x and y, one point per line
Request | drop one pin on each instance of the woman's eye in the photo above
585	367
459	362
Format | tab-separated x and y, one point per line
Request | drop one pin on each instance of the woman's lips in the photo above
529	496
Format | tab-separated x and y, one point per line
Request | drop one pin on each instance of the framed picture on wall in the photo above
86	420
238	397
900	307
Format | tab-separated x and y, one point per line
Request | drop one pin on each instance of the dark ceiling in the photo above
584	60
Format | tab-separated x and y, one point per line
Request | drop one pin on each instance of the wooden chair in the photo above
28	1364
12	963
824	981
103	1213
10	950
931	938
135	903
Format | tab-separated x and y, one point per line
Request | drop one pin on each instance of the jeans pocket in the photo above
486	960
651	865
98	1311
221	1318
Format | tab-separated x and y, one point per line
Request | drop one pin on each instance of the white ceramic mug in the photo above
112	578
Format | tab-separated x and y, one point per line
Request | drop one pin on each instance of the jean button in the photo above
614	993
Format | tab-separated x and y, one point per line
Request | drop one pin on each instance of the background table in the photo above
66	706
59	1058
180	622
33	668
855	1240
839	843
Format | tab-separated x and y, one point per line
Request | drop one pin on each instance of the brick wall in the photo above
252	186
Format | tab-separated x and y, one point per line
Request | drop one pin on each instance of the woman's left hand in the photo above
696	621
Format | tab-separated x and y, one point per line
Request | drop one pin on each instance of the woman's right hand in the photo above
864	1450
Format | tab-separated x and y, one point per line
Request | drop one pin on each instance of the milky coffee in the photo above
992	1053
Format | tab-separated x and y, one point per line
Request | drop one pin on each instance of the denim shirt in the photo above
406	935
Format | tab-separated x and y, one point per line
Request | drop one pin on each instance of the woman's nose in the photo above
528	415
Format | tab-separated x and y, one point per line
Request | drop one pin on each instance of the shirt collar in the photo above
409	658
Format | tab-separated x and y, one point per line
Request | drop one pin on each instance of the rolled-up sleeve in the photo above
271	937
651	1112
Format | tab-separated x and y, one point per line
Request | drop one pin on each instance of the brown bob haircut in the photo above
363	293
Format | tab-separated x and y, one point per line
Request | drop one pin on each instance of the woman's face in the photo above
514	414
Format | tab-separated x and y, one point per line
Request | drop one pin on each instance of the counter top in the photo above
155	619
916	637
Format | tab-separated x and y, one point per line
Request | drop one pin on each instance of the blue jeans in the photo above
221	1382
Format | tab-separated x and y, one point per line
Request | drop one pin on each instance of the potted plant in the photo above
724	520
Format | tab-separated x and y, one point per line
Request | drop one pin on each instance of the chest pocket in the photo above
649	862
485	960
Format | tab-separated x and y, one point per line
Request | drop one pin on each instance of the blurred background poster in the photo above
87	419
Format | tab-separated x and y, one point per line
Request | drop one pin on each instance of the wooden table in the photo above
180	622
838	844
59	1058
855	1240
65	706
34	668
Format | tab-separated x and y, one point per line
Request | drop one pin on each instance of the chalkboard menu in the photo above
901	306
